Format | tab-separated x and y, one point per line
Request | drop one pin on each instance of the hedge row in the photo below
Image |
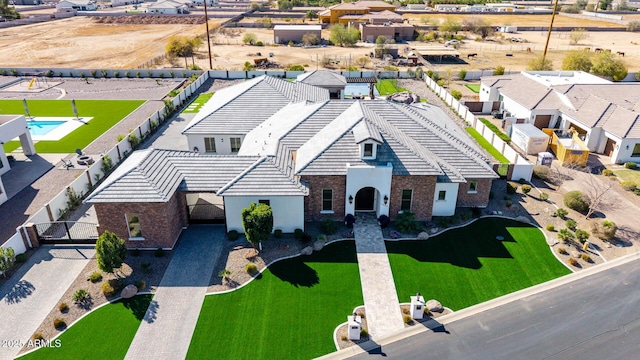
495	130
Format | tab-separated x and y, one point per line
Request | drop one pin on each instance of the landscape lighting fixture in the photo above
350	199
386	200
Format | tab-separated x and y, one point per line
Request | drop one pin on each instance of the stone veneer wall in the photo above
313	202
480	198
423	191
161	223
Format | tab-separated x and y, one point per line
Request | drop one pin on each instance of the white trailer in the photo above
508	29
529	138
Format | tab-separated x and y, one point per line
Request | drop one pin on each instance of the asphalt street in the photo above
596	317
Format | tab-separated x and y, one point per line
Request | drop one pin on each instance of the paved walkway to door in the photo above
378	289
30	294
167	327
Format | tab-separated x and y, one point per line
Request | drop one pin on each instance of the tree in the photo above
110	252
310	39
257	222
540	64
450	26
254	6
597	192
363	61
607	65
382	47
341	35
248	66
285	5
579	60
249	38
478	25
182	46
499	70
577	35
7	259
311	15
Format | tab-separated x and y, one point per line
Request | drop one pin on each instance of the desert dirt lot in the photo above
82	42
521	20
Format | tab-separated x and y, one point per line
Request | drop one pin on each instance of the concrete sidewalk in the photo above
378	288
30	294
168	325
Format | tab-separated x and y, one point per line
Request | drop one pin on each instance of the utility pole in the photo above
206	21
546	45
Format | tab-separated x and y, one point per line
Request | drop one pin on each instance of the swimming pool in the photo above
42	127
359	89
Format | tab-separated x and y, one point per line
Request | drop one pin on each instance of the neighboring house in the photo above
308	157
79	5
168	7
282	34
329	80
125	2
604	113
11	127
392	31
26	2
347	12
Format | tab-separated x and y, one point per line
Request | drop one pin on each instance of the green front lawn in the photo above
473	87
628	175
468	265
106	333
487	146
388	87
195	106
289	313
105	113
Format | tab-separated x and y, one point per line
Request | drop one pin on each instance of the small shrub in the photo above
571	224
158	253
607	172
407	319
572	261
349	220
406	222
95	277
630	165
405	311
544	196
499	70
508	203
541	172
59	324
563	251
550	227
328	226
297	233
232	235
476	212
526	189
108	290
146	268
566	236
462	74
80	295
141	285
562	213
586	258
628	185
251	269
63	307
37	336
512	187
306	237
456	94
609	229
277	233
426	311
384	221
577	201
20	258
322	237
364	333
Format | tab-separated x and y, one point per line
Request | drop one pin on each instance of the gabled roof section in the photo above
383	15
322	78
623	123
251	182
239	102
366	131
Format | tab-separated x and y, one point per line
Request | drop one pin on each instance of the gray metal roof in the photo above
240	108
322	78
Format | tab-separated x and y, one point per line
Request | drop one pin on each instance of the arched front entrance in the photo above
366	199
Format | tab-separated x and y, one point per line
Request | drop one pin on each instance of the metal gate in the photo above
67	232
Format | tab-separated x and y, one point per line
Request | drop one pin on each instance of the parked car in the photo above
452	43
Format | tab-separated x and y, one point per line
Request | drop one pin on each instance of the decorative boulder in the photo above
129	291
523	219
306	251
433	230
422	236
434	306
318	245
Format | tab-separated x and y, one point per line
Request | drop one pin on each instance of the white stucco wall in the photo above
378	177
223	144
288	211
488	94
3	193
623	154
516	109
446	207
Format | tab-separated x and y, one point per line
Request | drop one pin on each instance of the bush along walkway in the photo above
378	287
165	332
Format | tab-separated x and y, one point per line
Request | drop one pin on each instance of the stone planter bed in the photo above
130	272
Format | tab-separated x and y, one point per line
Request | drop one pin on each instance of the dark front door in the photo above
365	199
608	148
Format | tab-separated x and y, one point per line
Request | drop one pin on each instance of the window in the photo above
210	145
636	150
133	222
266	202
442	195
406	199
368	150
235	145
327	200
473	187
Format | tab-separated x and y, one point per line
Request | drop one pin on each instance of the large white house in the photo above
79	5
309	157
11	127
605	113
